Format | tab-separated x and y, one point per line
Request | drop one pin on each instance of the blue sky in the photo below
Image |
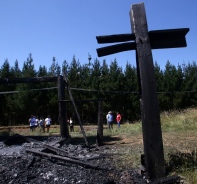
64	28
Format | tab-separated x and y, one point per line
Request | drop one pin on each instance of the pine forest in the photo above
117	88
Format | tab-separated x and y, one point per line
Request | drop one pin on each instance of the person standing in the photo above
118	119
48	123
42	125
32	121
36	122
109	118
71	125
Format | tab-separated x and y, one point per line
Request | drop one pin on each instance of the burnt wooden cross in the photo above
143	42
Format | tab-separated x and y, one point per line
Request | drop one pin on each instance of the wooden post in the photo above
152	136
99	138
78	117
62	108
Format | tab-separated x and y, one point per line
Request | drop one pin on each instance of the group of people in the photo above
110	119
34	122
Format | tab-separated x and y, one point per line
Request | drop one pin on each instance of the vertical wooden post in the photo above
62	108
99	138
152	136
78	117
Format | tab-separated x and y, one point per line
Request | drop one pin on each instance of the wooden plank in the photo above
152	136
154	35
70	160
116	48
171	38
168	33
115	38
27	80
159	39
99	137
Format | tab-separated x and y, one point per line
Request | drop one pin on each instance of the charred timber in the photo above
59	151
78	117
154	36
27	80
159	39
86	165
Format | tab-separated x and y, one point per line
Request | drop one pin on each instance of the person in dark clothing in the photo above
42	125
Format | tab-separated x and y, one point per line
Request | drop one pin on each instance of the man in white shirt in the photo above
48	123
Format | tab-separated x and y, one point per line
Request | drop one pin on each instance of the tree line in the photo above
117	88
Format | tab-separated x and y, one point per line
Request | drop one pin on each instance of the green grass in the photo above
180	151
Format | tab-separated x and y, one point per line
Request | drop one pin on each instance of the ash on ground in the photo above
52	160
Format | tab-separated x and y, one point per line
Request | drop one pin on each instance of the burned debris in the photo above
47	160
30	160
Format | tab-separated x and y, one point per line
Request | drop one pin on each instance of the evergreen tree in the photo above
190	84
65	66
131	99
172	83
26	100
159	76
5	72
115	86
54	69
16	73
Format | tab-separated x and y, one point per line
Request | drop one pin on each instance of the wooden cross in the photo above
143	42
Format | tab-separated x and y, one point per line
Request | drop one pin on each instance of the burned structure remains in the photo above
64	160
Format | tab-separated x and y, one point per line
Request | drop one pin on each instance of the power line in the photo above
42	89
102	91
8	92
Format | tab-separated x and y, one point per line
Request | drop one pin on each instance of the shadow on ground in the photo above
19	139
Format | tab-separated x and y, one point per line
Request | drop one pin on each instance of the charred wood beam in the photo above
99	136
74	105
159	39
86	165
57	150
115	38
64	153
104	51
154	36
27	80
151	125
62	118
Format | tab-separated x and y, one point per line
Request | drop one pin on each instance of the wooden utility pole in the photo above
62	108
144	41
152	136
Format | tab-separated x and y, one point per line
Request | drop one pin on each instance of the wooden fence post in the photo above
62	108
99	138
